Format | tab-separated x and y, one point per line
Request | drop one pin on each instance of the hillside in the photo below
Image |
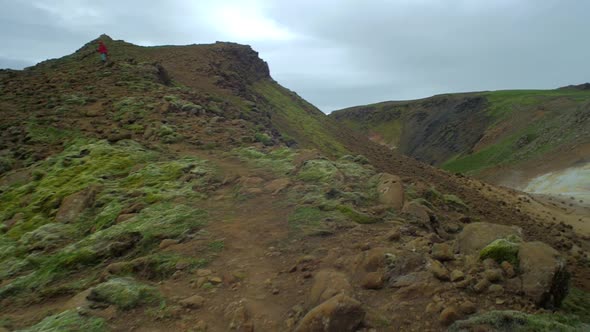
180	188
506	137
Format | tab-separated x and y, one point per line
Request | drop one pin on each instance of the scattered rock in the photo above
467	307
442	252
433	308
373	280
393	235
481	286
493	275
417	210
374	259
449	315
124	217
339	314
544	276
476	236
239	316
508	269
390	190
439	270
457	275
215	280
327	284
203	273
496	289
73	205
193	302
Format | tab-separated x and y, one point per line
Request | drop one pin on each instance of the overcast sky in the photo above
334	53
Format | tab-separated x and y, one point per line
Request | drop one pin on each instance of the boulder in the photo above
339	314
193	302
439	270
418	211
544	276
372	280
390	190
476	236
327	284
442	252
73	205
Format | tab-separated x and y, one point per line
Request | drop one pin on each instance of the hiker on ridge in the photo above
103	51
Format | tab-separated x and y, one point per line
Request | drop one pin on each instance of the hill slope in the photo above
180	188
487	134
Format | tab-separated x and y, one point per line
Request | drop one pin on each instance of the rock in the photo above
544	276
73	205
496	289
452	227
439	270
481	286
373	280
203	273
167	243
215	280
442	252
508	269
239	316
467	308
393	235
457	275
417	210
327	284
115	137
493	275
278	185
476	236
182	265
193	302
449	315
339	314
433	308
374	259
390	190
201	326
501	250
513	286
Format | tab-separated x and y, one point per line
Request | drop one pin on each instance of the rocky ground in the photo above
137	197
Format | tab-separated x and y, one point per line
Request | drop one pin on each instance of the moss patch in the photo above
125	293
508	321
501	250
69	321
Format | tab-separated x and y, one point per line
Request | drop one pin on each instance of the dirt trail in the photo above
254	232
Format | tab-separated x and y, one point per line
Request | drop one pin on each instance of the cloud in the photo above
336	53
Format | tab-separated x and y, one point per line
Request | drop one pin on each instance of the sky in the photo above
334	53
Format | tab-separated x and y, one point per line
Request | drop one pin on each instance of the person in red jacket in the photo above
103	51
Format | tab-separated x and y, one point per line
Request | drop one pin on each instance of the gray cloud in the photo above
335	53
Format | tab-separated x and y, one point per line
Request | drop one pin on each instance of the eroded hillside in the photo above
179	188
503	136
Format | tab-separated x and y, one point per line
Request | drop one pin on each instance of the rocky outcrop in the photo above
339	314
544	276
390	190
328	284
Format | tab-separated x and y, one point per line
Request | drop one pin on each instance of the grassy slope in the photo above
529	123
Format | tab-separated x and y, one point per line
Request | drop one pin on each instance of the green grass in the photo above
125	293
279	161
299	119
69	321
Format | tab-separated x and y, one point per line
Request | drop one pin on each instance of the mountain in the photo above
505	137
181	188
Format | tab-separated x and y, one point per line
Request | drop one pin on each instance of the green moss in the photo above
300	120
318	170
263	138
509	321
46	134
216	246
577	302
501	250
49	236
74	99
69	321
356	216
279	161
6	164
313	221
455	202
125	293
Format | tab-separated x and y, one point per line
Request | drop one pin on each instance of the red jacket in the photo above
102	49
